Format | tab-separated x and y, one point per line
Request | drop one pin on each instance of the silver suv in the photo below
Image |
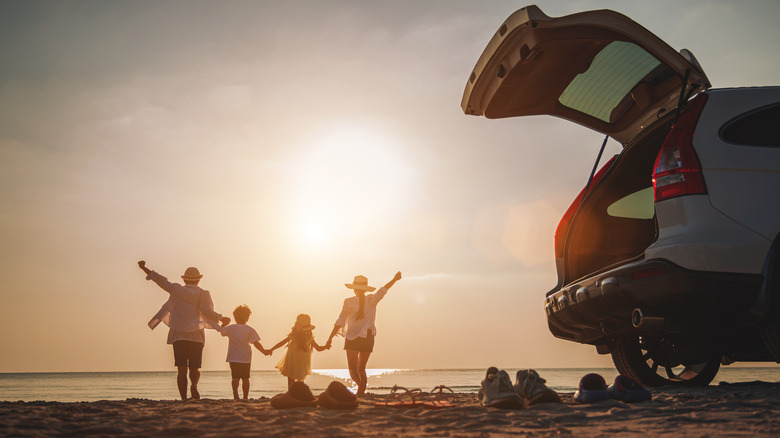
668	259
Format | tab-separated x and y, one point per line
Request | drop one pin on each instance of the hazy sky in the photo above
282	148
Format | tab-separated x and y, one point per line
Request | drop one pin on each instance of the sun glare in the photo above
343	374
348	174
313	232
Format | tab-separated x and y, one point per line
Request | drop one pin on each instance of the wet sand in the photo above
743	409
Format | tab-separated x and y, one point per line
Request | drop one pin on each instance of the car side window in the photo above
755	128
638	205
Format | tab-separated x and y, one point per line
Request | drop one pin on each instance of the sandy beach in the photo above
743	409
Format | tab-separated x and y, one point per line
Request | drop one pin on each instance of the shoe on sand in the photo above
628	390
592	388
439	401
400	397
532	389
497	392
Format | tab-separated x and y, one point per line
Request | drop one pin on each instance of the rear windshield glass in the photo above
602	91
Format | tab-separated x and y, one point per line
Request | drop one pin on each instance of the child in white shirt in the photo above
239	353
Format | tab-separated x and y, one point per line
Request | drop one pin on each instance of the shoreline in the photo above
737	409
161	385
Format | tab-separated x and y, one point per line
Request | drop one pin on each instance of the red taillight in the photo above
563	225
677	170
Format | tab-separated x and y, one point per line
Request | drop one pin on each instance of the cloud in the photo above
434	277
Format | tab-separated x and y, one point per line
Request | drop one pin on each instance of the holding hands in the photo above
260	347
319	347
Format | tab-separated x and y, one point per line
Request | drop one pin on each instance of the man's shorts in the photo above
365	345
187	354
239	370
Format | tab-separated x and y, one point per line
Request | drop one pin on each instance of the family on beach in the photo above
190	309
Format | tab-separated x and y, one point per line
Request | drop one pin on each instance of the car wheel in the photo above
770	328
771	337
644	362
770	333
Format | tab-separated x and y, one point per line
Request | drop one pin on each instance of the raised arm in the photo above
392	282
160	280
142	265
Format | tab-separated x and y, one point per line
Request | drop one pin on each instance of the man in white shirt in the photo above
187	312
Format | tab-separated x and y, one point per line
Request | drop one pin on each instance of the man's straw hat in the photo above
360	283
191	274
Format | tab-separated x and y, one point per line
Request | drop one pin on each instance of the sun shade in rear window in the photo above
614	72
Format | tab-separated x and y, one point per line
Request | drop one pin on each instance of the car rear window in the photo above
604	89
759	127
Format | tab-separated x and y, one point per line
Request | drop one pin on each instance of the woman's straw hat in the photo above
337	396
191	274
304	321
360	283
299	395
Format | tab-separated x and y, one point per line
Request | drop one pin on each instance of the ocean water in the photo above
88	386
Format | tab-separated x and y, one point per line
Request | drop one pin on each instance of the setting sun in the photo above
347	174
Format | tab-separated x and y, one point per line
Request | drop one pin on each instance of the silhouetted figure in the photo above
187	312
296	363
239	354
356	323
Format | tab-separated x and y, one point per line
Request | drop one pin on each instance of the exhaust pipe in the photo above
639	320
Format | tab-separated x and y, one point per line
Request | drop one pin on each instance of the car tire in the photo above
770	334
633	360
770	327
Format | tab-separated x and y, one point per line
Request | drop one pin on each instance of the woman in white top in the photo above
356	323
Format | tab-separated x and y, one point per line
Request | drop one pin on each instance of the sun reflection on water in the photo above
343	375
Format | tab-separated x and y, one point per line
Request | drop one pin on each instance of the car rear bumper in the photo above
598	309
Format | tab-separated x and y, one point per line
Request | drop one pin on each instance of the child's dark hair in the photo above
242	313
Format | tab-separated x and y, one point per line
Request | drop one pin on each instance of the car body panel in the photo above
598	307
536	64
740	177
696	236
